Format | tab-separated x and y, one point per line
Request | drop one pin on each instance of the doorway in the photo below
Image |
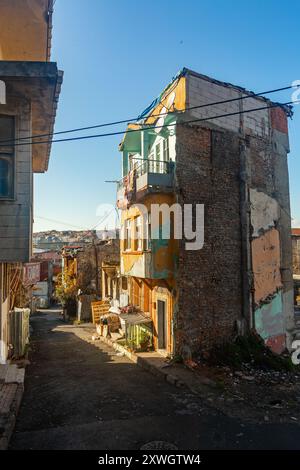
162	326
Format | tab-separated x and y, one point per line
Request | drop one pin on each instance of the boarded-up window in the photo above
7	163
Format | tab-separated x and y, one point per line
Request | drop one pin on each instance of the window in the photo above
127	237
166	154
136	293
147	237
157	158
160	156
7	164
134	160
138	241
151	163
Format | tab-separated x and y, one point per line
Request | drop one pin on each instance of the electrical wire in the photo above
109	134
124	121
59	222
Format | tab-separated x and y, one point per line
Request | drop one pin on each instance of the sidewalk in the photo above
256	396
158	365
11	392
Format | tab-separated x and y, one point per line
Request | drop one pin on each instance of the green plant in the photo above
249	349
66	288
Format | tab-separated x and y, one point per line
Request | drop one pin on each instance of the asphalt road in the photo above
78	396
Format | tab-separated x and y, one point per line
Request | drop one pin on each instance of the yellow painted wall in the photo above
24	30
164	256
149	292
179	87
152	290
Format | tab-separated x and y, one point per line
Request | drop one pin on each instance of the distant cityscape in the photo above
56	239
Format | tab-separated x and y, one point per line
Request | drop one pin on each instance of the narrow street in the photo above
79	396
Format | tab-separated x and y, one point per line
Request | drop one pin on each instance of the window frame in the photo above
7	153
159	155
147	236
127	235
138	233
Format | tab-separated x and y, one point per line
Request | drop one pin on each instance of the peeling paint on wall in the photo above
277	343
266	265
289	318
269	320
264	212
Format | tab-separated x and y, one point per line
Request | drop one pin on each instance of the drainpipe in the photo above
246	268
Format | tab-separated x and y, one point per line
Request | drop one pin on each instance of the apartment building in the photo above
230	159
30	86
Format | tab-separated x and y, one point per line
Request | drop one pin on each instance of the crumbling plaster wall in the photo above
271	235
264	196
107	251
209	170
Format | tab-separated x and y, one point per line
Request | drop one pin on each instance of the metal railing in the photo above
147	166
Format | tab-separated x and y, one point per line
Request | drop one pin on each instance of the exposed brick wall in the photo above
279	120
209	280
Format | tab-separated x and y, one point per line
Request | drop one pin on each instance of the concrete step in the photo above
3	371
13	375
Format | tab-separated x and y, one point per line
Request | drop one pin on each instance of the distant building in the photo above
296	264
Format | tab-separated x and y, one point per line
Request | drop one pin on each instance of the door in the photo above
161	325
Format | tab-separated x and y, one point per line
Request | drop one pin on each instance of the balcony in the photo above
150	176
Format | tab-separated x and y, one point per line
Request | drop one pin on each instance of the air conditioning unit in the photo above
18	331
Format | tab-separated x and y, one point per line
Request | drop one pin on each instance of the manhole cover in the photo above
159	445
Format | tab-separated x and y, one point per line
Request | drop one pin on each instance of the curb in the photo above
10	419
142	362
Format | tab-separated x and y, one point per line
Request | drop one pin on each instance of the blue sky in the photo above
117	56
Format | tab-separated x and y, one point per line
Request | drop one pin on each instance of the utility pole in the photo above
97	268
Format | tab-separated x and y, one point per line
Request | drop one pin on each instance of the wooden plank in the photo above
98	309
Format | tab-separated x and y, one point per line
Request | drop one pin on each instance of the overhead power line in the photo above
127	131
124	121
102	219
67	224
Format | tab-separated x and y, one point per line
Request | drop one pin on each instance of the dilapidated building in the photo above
230	157
94	270
296	264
